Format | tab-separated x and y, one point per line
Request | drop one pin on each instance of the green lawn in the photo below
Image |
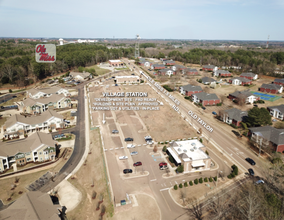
99	70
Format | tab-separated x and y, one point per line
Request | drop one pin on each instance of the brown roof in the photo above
33	205
29	144
46	100
33	119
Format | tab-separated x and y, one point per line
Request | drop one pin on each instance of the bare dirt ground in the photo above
91	173
147	209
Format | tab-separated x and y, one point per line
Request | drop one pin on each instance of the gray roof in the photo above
190	70
272	134
246	93
158	65
50	90
206	96
209	66
248	74
279	80
169	61
236	114
242	79
179	66
280	108
45	100
11	148
33	205
83	75
165	70
207	79
191	88
271	86
223	71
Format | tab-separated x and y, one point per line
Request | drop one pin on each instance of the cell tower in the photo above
267	42
137	46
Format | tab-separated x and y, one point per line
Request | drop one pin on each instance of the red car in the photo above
162	164
137	164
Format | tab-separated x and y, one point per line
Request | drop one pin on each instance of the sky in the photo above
151	19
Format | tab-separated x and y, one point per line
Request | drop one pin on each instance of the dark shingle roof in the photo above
280	108
158	65
209	66
191	88
274	135
236	114
165	70
246	93
270	86
248	74
207	79
206	96
223	71
279	80
190	70
242	79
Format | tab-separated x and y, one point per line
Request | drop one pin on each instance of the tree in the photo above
258	117
196	181
201	180
175	187
164	148
195	209
183	195
180	169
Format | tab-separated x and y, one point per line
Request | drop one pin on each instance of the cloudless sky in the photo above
152	19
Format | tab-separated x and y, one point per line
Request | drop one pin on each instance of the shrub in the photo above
165	148
171	159
200	140
180	185
210	179
234	126
10	90
196	181
167	87
232	175
200	180
229	176
206	179
235	170
185	184
244	125
176	187
215	178
180	169
219	104
207	152
190	183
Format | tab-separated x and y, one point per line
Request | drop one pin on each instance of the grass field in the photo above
99	70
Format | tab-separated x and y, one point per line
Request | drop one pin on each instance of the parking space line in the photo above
153	180
164	189
117	148
111	149
176	182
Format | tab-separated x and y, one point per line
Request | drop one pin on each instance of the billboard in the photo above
45	53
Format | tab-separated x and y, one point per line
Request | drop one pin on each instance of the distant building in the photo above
279	82
46	92
158	66
189	71
143	62
250	76
208	67
116	63
240	81
60	41
222	73
127	79
271	88
188	90
205	98
169	63
234	116
246	96
178	67
81	76
276	111
191	154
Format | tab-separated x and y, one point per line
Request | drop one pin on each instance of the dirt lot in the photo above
147	209
99	70
25	179
89	174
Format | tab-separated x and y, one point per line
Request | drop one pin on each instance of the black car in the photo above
203	107
251	172
251	161
128	139
127	171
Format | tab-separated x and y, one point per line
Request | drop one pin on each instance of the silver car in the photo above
133	153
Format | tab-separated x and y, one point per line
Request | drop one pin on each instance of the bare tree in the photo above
183	195
195	209
241	99
206	89
9	71
155	149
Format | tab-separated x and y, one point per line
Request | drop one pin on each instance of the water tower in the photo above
137	46
60	41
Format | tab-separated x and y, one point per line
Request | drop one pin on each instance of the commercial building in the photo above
191	154
115	63
127	79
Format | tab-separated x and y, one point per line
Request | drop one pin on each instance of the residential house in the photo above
207	80
271	88
268	136
240	81
167	72
38	147
250	76
46	92
243	96
127	79
37	106
234	116
169	62
208	67
145	63
276	111
279	82
191	154
178	67
19	125
33	205
222	73
189	71
205	98
158	66
81	76
188	90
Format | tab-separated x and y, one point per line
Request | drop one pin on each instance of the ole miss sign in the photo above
45	53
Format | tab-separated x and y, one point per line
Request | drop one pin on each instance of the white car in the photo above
123	157
130	146
133	153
